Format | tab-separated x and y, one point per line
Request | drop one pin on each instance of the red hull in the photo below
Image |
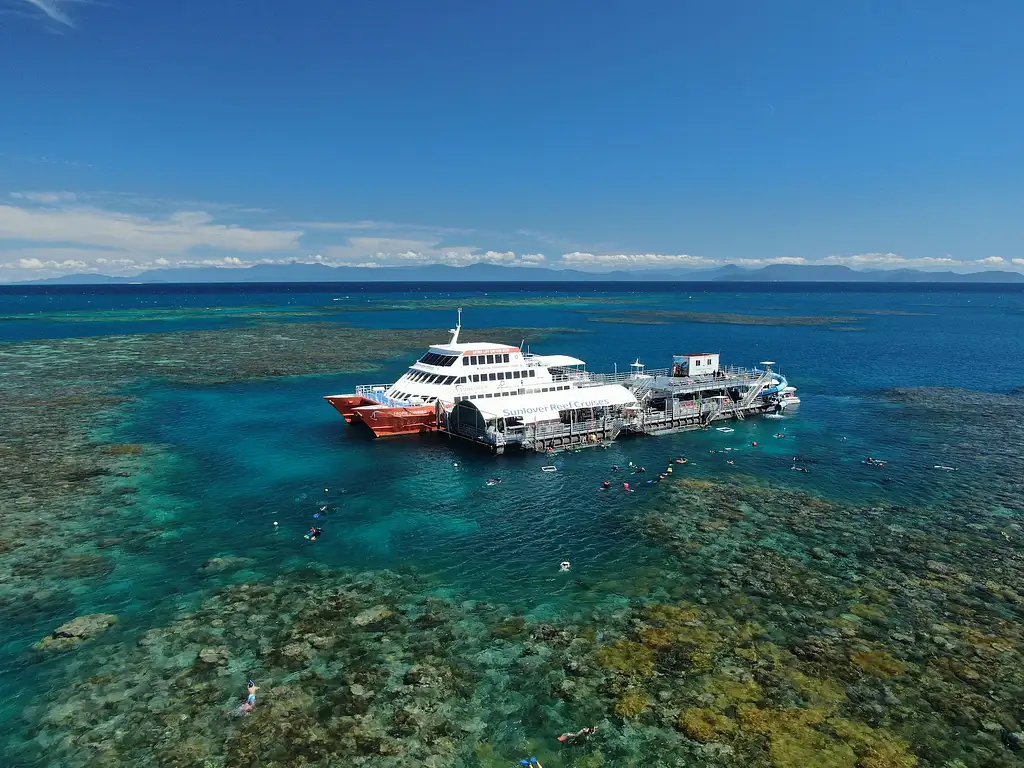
382	420
409	420
346	404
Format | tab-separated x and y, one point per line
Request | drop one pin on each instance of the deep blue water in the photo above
247	455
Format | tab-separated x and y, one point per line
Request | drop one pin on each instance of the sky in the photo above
877	134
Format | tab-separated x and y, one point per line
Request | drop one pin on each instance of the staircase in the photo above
643	390
755	389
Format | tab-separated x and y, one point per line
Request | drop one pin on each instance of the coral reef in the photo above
78	630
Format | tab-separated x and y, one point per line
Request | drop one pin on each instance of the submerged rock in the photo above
375	615
75	632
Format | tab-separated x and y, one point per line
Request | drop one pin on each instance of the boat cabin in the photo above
699	364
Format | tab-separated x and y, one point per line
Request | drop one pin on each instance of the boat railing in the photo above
376	392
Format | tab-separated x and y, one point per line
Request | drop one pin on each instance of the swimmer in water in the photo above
250	700
575	738
494	481
800	469
564	566
606	485
314	533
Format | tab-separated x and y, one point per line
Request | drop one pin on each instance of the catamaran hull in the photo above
346	404
383	420
404	420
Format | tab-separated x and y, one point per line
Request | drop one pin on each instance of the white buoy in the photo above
275	523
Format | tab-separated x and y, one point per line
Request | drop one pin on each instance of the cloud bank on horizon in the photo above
49	234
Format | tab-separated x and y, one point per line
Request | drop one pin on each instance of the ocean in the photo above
165	448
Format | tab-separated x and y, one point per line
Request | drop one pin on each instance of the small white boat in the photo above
788	397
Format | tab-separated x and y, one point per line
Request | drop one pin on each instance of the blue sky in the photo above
591	135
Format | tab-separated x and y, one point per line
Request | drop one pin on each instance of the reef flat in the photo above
68	499
665	316
978	434
258	313
781	630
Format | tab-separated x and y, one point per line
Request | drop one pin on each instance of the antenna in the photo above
455	331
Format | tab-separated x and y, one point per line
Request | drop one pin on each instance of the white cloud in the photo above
45	197
49	233
173	234
631	260
53	9
35	263
625	261
387	251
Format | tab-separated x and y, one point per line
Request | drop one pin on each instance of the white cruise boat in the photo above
499	377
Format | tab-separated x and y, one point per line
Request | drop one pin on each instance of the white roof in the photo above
556	361
482	346
544	406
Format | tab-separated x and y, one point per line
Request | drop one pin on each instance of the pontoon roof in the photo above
544	406
556	361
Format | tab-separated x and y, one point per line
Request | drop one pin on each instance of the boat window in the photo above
475	377
490	359
532	374
465	361
504	358
492	377
451	380
501	375
475	359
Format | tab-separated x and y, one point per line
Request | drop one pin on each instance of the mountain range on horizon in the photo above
481	272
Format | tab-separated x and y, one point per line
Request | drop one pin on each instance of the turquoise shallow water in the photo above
236	458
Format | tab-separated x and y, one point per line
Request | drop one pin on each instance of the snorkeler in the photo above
314	533
564	566
606	485
531	761
250	701
494	481
581	735
799	469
